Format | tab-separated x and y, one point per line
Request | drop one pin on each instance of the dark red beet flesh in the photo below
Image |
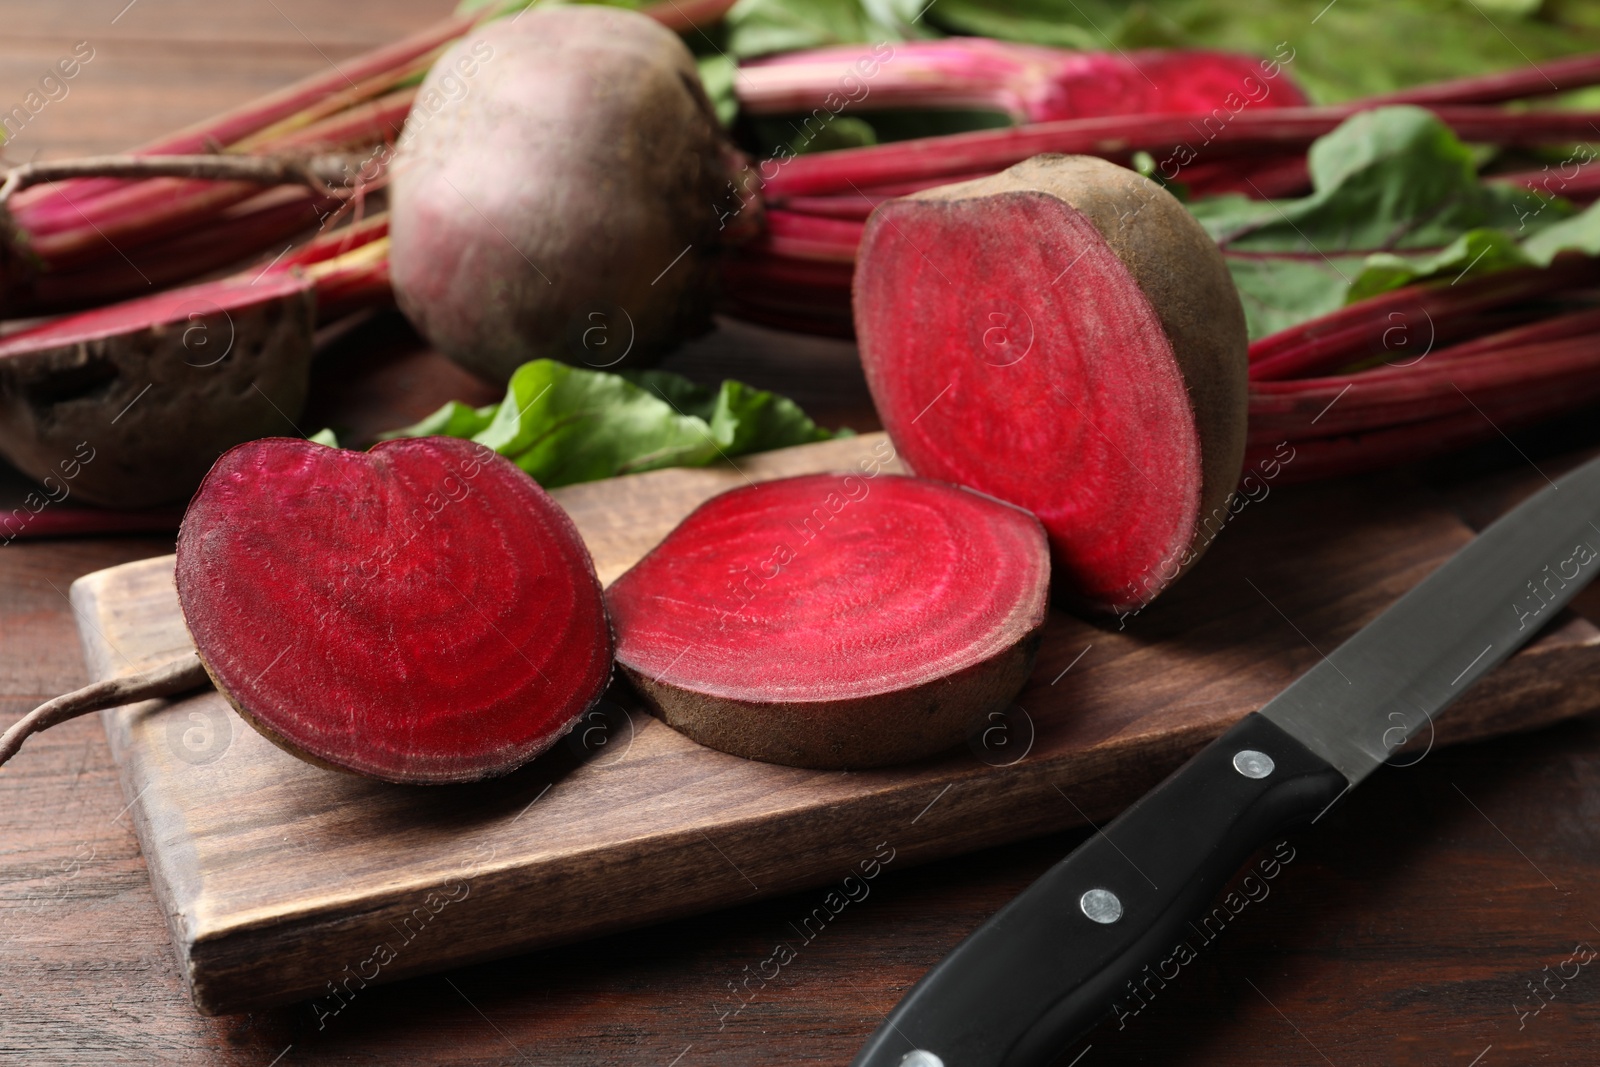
835	620
1064	336
422	612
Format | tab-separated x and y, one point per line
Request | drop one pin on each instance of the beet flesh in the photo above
128	406
1065	336
419	613
562	202
835	621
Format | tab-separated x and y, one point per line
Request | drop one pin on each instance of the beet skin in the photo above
561	201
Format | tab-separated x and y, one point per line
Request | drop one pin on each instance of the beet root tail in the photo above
169	679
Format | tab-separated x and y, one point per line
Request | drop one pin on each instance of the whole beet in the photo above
555	193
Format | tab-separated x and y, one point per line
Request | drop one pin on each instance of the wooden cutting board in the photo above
282	881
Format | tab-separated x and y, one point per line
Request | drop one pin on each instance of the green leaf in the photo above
1282	292
1581	233
455	419
805	134
1385	179
755	420
1396	199
717	74
565	424
1060	23
765	27
685	396
1474	252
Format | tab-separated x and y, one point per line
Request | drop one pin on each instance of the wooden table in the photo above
1407	929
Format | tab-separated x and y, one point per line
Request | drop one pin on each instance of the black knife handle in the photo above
1042	971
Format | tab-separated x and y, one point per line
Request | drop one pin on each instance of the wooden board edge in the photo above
85	597
1554	678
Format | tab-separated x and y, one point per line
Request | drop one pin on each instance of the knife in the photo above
1049	965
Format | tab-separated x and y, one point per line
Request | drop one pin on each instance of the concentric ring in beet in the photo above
422	612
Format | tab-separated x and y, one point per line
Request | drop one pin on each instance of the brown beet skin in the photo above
835	620
1065	336
420	613
129	405
555	191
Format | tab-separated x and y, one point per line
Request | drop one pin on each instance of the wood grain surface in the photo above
1408	930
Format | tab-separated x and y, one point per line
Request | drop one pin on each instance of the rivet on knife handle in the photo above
1049	964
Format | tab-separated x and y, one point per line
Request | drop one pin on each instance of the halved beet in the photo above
422	612
153	390
1065	336
835	620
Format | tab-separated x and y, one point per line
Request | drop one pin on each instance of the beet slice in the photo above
421	613
128	405
1065	336
834	620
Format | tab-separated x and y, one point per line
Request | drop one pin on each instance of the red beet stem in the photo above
1271	177
811	237
1554	328
1583	186
859	202
1330	457
1375	399
125	205
237	123
1028	83
1544	79
135	213
1175	140
272	218
750	272
21	524
1359	330
333	243
352	281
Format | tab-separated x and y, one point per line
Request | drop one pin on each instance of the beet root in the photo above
419	613
835	621
563	204
129	405
1065	336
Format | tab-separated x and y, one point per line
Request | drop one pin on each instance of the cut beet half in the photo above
421	613
1064	336
835	620
133	402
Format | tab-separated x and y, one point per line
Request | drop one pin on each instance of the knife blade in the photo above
1051	963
